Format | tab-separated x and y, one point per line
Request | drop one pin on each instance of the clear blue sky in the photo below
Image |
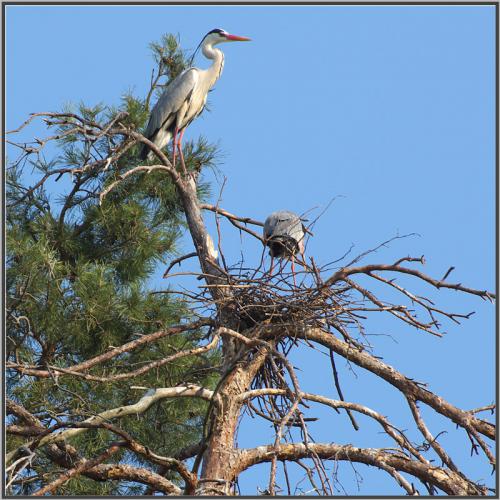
389	108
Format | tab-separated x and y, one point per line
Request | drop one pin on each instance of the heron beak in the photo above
235	38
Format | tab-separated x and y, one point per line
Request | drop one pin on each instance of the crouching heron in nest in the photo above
185	97
284	235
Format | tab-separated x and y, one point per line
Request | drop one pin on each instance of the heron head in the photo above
219	35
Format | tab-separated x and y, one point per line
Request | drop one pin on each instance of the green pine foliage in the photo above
78	276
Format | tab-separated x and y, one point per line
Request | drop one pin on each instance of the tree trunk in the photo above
220	458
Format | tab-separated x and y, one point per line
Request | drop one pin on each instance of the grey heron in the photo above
185	97
284	235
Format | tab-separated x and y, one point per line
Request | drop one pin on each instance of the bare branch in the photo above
234	219
390	429
448	481
345	272
178	261
50	488
141	406
404	384
140	371
129	346
428	436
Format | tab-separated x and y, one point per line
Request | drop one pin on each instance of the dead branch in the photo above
178	261
389	428
67	457
141	406
369	268
428	436
234	219
52	487
393	377
133	445
129	346
448	481
140	371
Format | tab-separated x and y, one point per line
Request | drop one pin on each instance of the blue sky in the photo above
390	109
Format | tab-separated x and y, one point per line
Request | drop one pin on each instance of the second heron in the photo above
284	235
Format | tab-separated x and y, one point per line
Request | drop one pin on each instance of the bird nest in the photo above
259	303
266	300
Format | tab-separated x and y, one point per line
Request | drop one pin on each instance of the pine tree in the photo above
78	284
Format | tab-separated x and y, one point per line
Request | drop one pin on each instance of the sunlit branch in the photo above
448	481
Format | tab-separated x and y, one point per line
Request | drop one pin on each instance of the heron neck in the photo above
215	70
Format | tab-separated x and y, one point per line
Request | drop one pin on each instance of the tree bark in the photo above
221	455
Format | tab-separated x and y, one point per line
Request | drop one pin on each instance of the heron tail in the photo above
161	139
143	152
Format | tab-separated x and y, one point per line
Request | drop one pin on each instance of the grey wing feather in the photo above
283	223
171	100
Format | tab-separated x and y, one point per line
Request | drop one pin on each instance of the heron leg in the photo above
176	131
293	271
179	145
303	258
272	265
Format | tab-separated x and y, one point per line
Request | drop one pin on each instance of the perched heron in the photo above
284	235
185	97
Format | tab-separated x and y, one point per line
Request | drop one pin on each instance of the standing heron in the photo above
185	97
284	235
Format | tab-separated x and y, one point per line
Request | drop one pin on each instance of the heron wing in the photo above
176	94
282	225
